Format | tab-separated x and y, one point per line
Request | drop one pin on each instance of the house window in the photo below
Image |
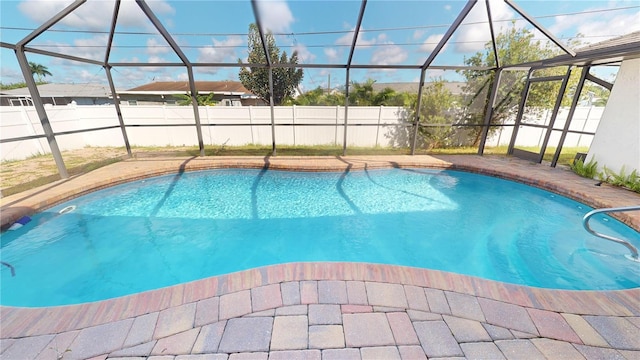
133	102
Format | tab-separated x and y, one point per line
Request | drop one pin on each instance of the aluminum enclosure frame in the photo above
570	58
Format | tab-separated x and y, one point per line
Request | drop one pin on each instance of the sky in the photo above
321	32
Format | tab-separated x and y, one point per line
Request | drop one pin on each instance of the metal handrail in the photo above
587	217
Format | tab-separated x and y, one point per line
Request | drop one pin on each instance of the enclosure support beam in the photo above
572	110
416	124
112	30
271	109
107	68
116	103
605	84
554	114
267	56
49	23
42	114
493	36
346	114
489	110
62	56
463	14
195	105
354	41
33	88
523	100
192	87
538	26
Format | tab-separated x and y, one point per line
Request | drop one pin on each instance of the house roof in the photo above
412	87
182	87
64	90
604	52
631	38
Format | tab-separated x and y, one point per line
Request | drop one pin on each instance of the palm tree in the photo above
40	70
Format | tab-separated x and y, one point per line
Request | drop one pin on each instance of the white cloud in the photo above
87	76
418	34
347	39
389	54
10	75
474	32
93	15
154	47
431	42
596	26
434	74
221	50
304	55
156	60
447	7
93	48
275	15
182	77
331	54
620	24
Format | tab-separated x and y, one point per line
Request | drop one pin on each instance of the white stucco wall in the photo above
617	140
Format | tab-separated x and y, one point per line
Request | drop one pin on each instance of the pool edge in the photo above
22	322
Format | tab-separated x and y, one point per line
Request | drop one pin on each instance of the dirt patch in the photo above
43	168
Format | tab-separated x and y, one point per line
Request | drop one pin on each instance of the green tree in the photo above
362	94
514	46
256	79
437	113
203	100
39	70
312	97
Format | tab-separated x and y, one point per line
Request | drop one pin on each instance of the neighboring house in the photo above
456	88
59	94
226	93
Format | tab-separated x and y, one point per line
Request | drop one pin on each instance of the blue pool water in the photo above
173	229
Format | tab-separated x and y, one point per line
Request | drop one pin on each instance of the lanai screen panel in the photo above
403	32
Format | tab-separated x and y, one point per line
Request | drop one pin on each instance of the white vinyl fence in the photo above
174	126
585	119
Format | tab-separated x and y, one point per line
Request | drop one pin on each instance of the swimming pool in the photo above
173	229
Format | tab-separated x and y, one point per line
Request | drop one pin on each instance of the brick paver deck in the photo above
332	310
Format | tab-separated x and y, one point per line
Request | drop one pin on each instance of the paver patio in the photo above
333	310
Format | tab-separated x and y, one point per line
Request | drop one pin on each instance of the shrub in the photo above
588	170
631	181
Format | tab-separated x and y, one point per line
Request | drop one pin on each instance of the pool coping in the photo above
26	322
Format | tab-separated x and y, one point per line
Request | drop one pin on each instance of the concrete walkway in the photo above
334	310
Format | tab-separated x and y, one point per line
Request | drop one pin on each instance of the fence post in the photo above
32	130
379	120
206	109
294	124
253	141
584	126
335	139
